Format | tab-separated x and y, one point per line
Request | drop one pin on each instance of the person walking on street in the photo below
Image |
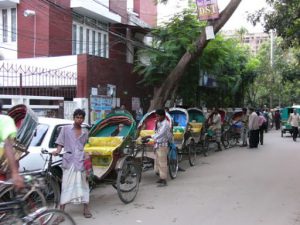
244	130
294	121
75	188
253	126
277	119
8	132
262	122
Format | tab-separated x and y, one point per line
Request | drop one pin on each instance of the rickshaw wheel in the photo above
192	153
173	165
128	180
224	140
205	145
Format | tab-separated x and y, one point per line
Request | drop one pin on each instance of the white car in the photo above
44	137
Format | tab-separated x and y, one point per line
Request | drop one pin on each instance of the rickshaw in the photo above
285	114
208	136
109	148
231	129
182	131
145	150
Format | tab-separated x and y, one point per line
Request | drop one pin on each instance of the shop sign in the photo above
207	9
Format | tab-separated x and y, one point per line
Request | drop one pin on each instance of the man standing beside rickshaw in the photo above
244	134
216	126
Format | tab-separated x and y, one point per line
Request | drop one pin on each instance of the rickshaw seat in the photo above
178	132
102	145
196	127
145	133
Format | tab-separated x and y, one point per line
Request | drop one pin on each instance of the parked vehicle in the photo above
110	147
208	135
182	131
144	151
44	138
285	113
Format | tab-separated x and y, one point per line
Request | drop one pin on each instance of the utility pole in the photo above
272	65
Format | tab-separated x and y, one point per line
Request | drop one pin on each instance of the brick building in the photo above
103	36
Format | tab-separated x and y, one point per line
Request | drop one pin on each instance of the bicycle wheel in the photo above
128	180
52	217
224	140
34	198
173	164
51	192
192	153
205	145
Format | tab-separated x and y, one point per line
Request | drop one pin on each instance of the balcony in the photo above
8	3
95	9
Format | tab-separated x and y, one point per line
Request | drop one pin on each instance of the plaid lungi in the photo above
75	188
161	162
218	134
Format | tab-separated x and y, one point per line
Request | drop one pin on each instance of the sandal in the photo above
87	214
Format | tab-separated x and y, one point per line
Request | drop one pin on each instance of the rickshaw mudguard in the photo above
122	160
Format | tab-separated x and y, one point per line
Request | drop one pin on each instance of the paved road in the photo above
239	186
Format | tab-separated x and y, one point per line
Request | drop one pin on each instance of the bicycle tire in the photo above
51	192
53	217
34	199
128	181
173	165
192	152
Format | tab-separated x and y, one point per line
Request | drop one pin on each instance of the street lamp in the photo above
28	13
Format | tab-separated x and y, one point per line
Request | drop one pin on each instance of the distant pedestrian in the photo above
253	126
244	130
277	119
262	122
215	124
294	121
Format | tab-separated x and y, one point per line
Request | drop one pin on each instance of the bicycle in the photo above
52	175
15	212
31	194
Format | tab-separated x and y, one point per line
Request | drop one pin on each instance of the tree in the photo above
170	83
284	18
222	58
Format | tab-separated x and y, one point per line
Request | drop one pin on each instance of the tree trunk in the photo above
163	92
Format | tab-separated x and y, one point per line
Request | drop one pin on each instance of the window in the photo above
74	39
87	41
39	135
105	47
91	37
13	25
99	44
93	42
4	24
81	40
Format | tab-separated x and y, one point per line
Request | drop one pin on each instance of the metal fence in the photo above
30	80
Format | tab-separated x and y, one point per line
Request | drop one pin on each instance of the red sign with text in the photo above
207	9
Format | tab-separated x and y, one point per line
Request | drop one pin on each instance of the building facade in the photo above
102	35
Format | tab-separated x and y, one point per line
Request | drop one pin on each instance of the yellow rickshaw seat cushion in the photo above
102	145
145	133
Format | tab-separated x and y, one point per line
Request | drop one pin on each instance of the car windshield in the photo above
39	135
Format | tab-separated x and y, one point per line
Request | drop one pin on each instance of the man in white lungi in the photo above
75	188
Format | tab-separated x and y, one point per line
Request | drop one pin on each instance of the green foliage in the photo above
279	82
170	42
224	58
284	18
